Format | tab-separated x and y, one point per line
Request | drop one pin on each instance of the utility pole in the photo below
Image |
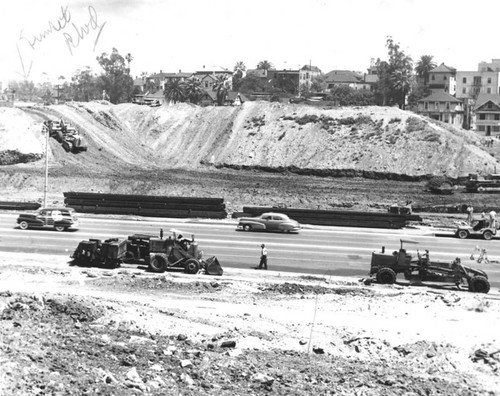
46	185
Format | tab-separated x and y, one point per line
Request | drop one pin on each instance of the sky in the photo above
43	40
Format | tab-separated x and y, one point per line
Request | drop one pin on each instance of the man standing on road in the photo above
263	257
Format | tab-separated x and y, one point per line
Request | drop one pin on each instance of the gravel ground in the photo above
73	331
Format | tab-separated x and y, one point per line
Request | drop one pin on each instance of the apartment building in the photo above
486	80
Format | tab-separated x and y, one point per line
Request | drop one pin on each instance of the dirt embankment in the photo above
261	135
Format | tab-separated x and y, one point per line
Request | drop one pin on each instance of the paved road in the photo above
315	250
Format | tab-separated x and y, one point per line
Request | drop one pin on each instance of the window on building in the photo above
464	90
477	80
444	78
490	105
489	80
482	116
433	77
488	90
447	105
496	128
464	80
497	117
481	128
426	105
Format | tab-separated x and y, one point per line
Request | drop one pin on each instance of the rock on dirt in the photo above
370	341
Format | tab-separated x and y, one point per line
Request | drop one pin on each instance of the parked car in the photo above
479	227
269	222
59	218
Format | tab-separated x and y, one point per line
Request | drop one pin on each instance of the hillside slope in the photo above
257	134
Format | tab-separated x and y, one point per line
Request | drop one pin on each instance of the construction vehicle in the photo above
160	254
66	135
386	266
94	252
481	184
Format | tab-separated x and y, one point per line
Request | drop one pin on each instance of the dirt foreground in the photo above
68	330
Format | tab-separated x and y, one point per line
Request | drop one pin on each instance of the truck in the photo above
386	266
158	253
481	184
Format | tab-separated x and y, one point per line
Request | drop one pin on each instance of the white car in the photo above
269	222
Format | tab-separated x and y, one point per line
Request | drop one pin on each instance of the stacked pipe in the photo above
146	205
338	218
16	205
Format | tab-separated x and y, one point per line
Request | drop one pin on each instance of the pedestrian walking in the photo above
263	257
470	214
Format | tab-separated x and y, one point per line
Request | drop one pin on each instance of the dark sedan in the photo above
59	219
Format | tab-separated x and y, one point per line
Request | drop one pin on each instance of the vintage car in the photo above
269	222
479	227
59	218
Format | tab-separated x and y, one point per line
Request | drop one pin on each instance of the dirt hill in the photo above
255	135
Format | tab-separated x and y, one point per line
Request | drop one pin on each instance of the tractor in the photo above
173	252
158	253
386	266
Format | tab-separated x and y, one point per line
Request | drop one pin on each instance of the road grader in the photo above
158	253
386	266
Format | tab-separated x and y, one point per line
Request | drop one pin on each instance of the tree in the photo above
424	66
395	75
25	89
220	85
193	90
174	90
265	65
240	66
83	86
239	71
252	83
343	95
319	84
116	80
417	92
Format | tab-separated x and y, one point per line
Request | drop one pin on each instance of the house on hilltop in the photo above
442	106
307	74
159	80
443	78
348	78
209	77
487	111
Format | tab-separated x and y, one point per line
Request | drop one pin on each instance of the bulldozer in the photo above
66	135
160	254
386	266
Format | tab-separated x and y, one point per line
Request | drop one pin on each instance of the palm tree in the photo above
266	65
193	90
239	67
220	85
424	66
174	90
